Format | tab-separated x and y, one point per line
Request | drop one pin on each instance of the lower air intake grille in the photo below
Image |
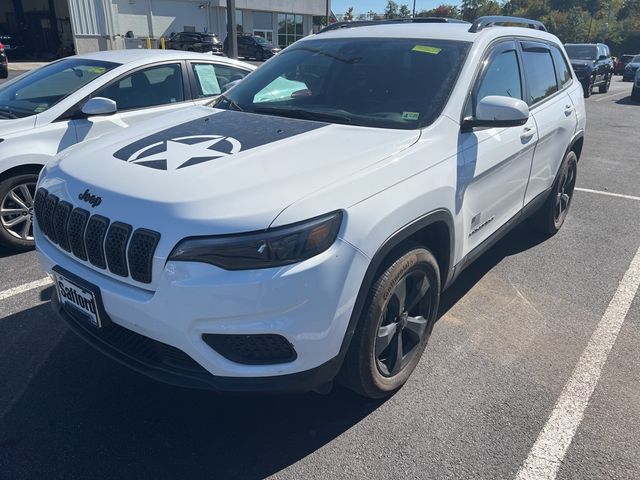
89	237
261	349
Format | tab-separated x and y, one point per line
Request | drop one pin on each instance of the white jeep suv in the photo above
303	227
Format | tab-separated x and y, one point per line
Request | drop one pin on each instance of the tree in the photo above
348	17
404	11
391	10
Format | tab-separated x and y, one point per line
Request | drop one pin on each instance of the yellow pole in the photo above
148	43
162	43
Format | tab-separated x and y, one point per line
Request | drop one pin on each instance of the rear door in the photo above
141	96
492	178
555	118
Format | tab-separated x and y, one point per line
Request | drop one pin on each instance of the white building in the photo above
50	28
102	24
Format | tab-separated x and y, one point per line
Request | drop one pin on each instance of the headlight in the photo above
270	248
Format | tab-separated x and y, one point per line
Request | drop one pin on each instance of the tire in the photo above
605	88
259	56
588	87
551	216
16	211
372	367
4	73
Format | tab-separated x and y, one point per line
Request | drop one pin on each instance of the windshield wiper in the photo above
222	97
303	114
8	114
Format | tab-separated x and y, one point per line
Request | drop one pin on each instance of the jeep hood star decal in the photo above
210	138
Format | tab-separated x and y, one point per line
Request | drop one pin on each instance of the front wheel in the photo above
587	86
395	326
551	216
16	211
605	88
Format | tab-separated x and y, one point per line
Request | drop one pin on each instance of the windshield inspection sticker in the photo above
410	115
426	49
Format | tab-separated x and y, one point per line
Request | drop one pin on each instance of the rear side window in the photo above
564	74
539	73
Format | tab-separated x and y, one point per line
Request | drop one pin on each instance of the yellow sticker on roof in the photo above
426	49
96	70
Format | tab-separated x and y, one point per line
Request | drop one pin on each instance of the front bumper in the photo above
309	303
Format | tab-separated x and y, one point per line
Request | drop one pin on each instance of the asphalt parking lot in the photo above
518	370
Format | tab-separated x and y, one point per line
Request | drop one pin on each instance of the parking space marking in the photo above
623	92
600	192
552	444
43	282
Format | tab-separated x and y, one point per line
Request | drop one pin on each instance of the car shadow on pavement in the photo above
521	238
627	101
5	252
73	413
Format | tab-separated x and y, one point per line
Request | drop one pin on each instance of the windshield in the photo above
261	40
582	52
38	91
395	83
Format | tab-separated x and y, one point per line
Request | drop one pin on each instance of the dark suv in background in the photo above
195	42
253	46
4	62
593	65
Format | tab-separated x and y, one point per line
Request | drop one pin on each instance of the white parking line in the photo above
547	453
43	282
623	92
600	192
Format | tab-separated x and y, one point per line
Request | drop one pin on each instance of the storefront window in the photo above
290	28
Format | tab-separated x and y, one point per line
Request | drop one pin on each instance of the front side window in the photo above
502	77
539	73
39	90
400	83
153	86
211	79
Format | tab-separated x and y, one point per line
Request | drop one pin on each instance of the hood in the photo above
9	126
633	66
215	171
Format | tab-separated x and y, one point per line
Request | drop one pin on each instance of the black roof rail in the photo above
366	23
484	22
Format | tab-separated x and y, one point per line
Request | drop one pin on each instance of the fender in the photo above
377	262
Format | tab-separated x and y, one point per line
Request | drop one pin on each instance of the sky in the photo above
363	6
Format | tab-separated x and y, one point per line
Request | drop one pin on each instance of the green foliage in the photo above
615	22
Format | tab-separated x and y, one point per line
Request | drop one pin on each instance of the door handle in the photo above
528	134
568	109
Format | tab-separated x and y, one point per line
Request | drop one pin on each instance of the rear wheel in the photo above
395	327
550	218
16	211
607	83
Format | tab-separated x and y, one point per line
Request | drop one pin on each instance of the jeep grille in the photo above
105	244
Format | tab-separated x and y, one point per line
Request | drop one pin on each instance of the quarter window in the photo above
150	87
540	73
564	74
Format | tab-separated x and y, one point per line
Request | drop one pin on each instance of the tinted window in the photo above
211	79
153	86
398	83
502	77
39	90
582	52
561	65
540	74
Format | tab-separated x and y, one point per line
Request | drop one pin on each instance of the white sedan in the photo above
83	97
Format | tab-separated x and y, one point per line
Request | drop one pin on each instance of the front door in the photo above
494	165
140	96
